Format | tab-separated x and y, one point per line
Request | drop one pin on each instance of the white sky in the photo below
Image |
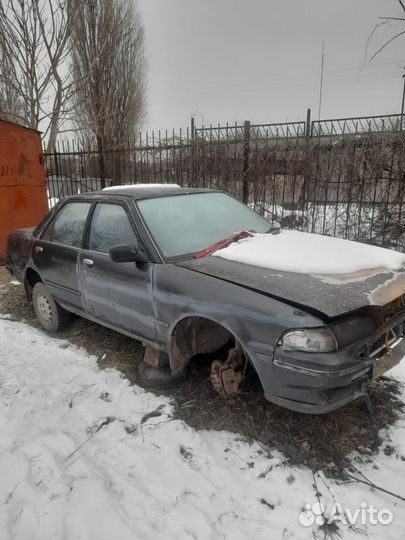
259	60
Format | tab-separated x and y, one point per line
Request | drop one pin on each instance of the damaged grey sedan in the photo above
192	271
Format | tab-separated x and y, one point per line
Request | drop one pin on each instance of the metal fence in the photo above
342	177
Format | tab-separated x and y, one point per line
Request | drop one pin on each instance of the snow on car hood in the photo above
328	275
306	253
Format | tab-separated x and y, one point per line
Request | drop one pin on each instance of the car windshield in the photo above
186	224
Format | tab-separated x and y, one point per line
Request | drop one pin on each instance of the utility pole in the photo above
403	104
321	82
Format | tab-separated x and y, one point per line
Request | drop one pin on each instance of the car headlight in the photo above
309	340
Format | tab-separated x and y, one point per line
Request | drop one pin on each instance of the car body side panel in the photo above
119	294
57	264
19	247
255	320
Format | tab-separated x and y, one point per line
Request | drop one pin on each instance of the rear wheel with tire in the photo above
51	315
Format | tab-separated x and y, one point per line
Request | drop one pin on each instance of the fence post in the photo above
55	158
193	163
246	159
101	162
308	124
54	186
304	195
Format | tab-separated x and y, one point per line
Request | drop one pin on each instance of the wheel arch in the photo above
31	277
193	334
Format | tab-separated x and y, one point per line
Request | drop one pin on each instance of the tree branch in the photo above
386	44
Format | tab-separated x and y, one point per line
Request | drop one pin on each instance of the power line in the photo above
212	96
249	82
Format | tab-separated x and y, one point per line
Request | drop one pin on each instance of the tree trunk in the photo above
101	162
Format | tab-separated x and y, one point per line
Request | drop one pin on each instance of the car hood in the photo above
361	284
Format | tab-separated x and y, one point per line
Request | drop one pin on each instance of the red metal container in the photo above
23	197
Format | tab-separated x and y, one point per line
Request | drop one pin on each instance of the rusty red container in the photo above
23	196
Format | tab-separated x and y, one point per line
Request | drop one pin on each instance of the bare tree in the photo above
391	21
109	68
34	79
11	106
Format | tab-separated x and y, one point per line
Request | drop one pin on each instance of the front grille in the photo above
392	337
393	308
384	344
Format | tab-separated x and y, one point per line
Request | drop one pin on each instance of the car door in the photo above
119	294
55	253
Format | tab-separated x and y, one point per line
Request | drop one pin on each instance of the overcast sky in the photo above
259	60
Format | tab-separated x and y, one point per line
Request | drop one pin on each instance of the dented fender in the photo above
253	319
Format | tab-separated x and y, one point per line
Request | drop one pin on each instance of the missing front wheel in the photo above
226	377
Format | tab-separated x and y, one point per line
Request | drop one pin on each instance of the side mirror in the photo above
120	254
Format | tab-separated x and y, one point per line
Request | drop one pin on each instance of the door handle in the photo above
88	262
38	249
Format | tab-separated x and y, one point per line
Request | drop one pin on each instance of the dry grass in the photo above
319	441
322	441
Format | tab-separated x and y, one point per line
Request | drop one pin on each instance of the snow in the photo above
141	186
52	201
306	253
361	222
76	462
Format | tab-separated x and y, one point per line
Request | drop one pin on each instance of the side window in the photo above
110	227
68	225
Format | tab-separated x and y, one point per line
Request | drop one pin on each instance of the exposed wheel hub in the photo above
227	376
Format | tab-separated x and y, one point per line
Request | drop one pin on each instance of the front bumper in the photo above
324	382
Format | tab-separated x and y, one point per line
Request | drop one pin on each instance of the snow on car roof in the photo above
140	186
146	191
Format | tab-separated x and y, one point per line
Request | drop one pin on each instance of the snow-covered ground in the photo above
80	460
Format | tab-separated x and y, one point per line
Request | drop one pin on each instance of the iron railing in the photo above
357	126
259	131
341	177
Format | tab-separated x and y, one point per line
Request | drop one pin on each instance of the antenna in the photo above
403	104
321	81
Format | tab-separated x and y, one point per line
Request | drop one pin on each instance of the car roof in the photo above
141	186
142	192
